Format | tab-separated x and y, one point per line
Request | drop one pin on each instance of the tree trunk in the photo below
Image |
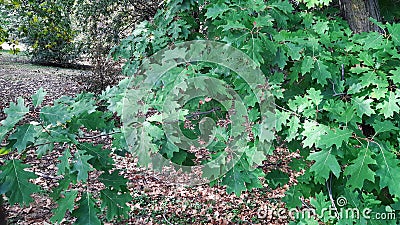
3	214
358	12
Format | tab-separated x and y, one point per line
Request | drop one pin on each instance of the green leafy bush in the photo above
47	28
101	26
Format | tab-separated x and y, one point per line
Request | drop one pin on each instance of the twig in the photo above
100	135
165	217
342	72
47	176
195	114
287	110
329	187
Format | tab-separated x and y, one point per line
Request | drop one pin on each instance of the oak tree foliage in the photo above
329	85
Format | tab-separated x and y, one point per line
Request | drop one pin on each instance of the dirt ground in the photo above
155	202
20	78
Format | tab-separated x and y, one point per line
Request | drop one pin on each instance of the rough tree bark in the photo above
3	214
358	12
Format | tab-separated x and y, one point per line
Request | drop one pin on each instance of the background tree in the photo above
46	27
102	25
358	14
389	10
9	21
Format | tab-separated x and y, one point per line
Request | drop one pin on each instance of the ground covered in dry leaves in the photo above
156	201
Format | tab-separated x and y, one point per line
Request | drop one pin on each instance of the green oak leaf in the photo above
394	30
284	6
66	203
313	133
64	164
254	156
307	65
390	106
169	149
63	185
324	163
321	27
294	125
276	178
280	58
368	78
211	170
359	69
367	58
233	25
87	211
363	106
176	29
373	40
24	136
321	203
235	181
140	143
114	180
298	164
384	126
81	165
396	75
358	171
251	178
388	172
14	181
15	113
281	119
321	73
293	197
264	21
114	203
216	10
314	3
300	104
55	114
101	159
293	51
38	97
92	121
314	96
335	137
355	88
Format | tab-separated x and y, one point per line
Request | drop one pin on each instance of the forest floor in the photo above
155	201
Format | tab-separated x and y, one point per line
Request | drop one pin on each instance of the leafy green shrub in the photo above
102	25
3	35
8	31
336	103
47	28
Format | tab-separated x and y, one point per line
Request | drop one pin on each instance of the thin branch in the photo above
100	135
195	114
165	218
329	187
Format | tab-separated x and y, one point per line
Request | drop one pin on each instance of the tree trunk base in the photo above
358	12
